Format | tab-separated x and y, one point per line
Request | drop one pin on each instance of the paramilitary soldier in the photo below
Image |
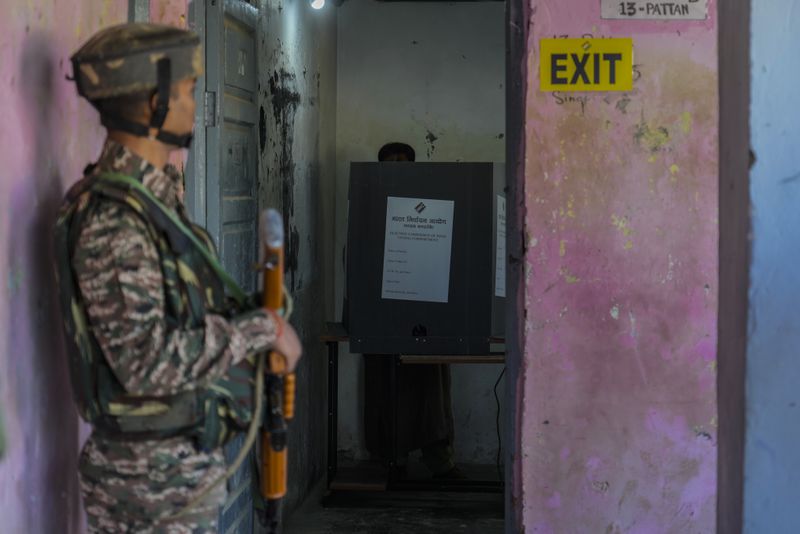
162	360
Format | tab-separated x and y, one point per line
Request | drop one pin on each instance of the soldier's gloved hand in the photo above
287	343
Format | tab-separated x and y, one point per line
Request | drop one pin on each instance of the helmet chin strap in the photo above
164	81
140	130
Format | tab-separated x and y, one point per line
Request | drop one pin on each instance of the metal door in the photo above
231	142
222	181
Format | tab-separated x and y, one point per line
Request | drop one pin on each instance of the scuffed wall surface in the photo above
297	77
618	417
772	458
47	137
431	75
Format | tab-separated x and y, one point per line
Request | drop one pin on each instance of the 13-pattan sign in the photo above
586	64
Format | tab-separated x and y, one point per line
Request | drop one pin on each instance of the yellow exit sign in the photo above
586	64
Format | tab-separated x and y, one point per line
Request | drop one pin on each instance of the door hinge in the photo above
210	106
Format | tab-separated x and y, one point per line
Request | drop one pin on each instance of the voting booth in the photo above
425	257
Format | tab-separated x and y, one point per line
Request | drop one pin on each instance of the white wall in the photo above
431	75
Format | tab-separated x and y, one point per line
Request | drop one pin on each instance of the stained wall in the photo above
297	101
617	422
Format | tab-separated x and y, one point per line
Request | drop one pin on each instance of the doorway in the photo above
432	76
288	100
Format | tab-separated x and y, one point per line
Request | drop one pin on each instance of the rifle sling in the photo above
117	179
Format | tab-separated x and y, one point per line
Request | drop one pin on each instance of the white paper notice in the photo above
416	253
500	255
642	9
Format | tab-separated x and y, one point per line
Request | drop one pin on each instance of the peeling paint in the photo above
262	128
651	137
430	140
285	99
686	122
568	277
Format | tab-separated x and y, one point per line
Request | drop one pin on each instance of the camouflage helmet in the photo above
136	58
123	59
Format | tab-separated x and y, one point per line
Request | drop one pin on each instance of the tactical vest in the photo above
194	284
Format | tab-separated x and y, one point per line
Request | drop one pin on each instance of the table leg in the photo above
333	402
393	407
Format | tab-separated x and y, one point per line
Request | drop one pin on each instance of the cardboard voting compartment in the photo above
425	257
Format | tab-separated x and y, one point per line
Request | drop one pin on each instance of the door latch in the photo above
210	106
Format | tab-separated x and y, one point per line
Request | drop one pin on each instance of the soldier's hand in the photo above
288	344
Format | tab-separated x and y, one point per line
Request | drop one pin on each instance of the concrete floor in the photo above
390	521
360	504
399	512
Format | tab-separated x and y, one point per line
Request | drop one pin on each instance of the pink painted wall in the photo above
46	137
172	12
618	422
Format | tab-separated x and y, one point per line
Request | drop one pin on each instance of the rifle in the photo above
280	385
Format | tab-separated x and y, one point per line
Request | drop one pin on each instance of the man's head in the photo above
396	152
141	78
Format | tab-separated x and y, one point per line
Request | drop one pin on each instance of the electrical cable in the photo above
497	425
252	430
250	439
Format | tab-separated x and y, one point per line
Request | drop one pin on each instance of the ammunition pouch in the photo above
147	418
211	415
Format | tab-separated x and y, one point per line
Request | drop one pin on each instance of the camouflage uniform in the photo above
128	484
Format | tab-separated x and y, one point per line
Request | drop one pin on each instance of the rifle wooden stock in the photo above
273	478
274	451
